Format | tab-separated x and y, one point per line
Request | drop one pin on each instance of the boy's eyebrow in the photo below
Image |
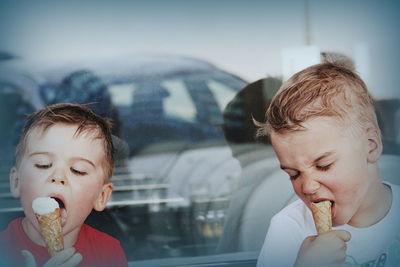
88	161
39	153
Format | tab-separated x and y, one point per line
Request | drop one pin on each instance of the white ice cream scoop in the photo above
44	205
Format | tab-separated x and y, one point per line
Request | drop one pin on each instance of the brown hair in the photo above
72	114
325	89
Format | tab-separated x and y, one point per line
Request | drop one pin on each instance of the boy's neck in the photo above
35	236
377	205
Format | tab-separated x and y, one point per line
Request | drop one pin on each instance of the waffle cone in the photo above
322	216
50	228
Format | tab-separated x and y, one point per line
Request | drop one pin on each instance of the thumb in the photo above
29	259
343	235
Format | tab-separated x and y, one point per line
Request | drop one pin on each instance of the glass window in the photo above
189	180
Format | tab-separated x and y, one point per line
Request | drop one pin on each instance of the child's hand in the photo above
64	258
327	248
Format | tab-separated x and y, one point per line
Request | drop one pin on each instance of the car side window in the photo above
122	94
179	102
222	92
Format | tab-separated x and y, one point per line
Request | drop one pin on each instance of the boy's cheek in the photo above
297	189
28	192
26	199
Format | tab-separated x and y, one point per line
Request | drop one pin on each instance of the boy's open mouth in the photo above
320	200
61	203
333	207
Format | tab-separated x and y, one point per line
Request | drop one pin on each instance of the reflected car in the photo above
174	172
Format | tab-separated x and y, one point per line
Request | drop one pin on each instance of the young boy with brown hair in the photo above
65	153
324	131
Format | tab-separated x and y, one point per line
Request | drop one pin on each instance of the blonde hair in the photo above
71	114
325	89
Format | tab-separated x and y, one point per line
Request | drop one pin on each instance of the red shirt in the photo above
97	248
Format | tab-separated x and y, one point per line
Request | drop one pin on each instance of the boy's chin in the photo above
72	224
339	222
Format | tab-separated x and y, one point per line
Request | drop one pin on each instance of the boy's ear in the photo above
374	145
14	183
103	197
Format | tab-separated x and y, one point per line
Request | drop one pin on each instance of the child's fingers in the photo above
29	259
343	235
61	257
73	261
326	248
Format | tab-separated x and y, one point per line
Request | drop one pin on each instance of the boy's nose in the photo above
59	180
310	186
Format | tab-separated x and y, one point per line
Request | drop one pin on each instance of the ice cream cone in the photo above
322	216
49	218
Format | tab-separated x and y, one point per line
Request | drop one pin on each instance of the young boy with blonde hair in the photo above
65	153
324	131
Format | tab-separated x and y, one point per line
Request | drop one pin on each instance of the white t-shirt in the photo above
377	245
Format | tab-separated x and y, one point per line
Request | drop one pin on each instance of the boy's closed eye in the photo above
293	177
81	167
43	165
41	160
324	167
292	173
77	171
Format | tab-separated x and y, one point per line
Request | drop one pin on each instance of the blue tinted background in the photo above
245	37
